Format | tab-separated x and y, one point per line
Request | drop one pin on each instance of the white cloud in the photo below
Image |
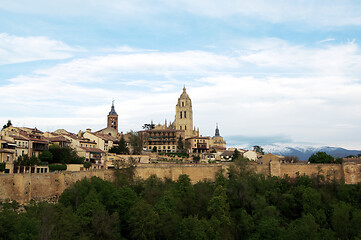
314	13
15	49
311	95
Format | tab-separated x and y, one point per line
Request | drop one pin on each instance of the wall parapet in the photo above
41	186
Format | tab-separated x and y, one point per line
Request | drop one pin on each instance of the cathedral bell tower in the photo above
184	114
112	118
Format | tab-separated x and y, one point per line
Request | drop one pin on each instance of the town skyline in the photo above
266	73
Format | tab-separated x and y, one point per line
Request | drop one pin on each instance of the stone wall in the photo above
42	186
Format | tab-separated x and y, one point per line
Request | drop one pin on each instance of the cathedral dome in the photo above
184	94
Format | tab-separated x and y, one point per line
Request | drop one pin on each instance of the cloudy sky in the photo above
282	72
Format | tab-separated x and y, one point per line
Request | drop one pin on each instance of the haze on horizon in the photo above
286	72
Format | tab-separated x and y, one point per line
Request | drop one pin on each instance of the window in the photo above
180	114
185	114
182	104
185	127
180	127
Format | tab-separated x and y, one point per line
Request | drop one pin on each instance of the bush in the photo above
2	167
57	167
87	165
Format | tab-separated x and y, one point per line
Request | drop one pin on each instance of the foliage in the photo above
236	155
258	149
180	144
136	142
291	159
24	160
121	148
87	164
2	167
57	167
196	159
8	124
148	126
46	156
64	155
321	157
242	205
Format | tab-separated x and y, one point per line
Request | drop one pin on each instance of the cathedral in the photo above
183	120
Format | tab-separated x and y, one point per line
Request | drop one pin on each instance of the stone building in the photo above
217	142
184	116
162	140
112	124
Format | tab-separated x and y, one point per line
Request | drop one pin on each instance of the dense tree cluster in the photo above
243	206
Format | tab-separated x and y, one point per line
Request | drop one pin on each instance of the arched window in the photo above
185	127
182	104
180	114
185	114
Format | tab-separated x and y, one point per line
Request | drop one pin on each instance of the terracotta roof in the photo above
59	139
88	149
199	138
105	136
3	150
227	153
19	137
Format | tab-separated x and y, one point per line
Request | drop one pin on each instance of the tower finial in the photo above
184	88
113	103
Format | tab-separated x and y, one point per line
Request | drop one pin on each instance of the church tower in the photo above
112	118
184	115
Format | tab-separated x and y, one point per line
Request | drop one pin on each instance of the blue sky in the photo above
282	72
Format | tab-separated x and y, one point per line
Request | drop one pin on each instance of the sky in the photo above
286	72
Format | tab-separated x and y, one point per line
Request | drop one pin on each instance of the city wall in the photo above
23	187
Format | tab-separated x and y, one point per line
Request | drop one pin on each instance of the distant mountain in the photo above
304	152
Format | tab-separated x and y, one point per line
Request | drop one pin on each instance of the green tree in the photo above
144	221
46	156
220	221
196	159
2	167
8	124
321	157
192	228
87	164
121	148
236	155
136	142
180	144
258	149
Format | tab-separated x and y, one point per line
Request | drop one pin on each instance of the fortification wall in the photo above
196	172
328	170
42	186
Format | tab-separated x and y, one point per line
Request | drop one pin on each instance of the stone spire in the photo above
112	110
217	131
113	118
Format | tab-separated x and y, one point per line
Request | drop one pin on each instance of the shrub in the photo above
87	165
2	167
57	167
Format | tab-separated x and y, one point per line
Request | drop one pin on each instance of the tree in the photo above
196	159
180	144
291	159
46	156
8	124
321	157
136	142
235	155
143	220
87	164
64	155
121	148
258	149
148	126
